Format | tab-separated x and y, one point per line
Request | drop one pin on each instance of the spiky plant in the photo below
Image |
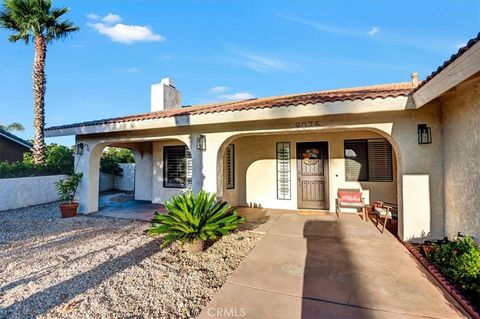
37	21
193	218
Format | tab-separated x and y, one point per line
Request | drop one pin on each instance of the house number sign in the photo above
307	124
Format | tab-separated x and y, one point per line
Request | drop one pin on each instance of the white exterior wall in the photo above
28	191
143	175
107	182
126	182
255	170
399	127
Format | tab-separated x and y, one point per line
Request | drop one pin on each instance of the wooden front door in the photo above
312	171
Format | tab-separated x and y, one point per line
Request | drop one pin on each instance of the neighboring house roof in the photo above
452	59
15	138
359	93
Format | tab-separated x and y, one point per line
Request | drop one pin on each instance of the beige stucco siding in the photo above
255	170
423	216
461	123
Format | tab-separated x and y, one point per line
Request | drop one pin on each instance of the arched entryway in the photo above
262	177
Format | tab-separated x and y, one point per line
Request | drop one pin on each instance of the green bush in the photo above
459	261
59	160
193	218
67	188
112	156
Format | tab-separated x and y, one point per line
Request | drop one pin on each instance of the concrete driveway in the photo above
314	266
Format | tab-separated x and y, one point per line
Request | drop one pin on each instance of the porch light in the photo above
80	147
424	134
201	143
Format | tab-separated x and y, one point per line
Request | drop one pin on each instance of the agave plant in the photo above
193	218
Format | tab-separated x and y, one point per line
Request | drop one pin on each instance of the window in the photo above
368	160
230	165
177	167
283	170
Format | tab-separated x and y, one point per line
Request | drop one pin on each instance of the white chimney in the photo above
164	96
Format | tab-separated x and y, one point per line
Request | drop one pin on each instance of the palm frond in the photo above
27	19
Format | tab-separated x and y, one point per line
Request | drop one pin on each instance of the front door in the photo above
312	170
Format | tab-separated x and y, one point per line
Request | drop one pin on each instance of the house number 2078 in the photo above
307	124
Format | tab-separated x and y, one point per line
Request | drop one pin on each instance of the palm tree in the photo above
36	21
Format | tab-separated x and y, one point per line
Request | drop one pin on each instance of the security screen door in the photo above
312	171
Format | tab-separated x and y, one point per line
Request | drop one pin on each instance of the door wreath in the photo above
311	156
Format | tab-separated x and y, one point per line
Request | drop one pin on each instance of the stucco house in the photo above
412	143
12	147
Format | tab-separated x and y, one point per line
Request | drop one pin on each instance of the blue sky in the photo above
220	50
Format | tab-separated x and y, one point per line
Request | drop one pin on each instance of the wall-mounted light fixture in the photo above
201	143
424	134
80	147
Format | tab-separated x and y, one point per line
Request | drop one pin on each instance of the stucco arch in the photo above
89	164
382	130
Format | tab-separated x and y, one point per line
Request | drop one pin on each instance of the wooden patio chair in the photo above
350	198
385	211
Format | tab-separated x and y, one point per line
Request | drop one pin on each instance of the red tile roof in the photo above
455	56
359	93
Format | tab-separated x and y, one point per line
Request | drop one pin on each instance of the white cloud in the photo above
327	28
236	96
220	89
257	62
111	18
373	31
125	33
93	16
128	70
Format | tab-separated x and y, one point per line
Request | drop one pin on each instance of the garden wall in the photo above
126	182
28	191
107	182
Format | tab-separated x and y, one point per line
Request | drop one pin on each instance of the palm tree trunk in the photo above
39	85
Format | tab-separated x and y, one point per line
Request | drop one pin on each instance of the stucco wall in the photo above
400	127
255	170
106	182
28	191
461	123
143	175
126	182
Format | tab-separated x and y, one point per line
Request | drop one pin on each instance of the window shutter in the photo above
189	168
176	166
356	162
283	171
230	163
380	160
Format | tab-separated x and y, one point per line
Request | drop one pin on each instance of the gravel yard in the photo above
96	267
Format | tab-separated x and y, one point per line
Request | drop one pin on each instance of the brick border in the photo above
451	289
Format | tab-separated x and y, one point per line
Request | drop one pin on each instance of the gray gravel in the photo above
93	267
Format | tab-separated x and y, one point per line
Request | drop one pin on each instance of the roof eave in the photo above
17	140
463	67
398	103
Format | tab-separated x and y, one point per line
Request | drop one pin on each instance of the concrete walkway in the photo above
314	266
113	205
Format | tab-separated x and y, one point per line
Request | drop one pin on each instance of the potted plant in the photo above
67	188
